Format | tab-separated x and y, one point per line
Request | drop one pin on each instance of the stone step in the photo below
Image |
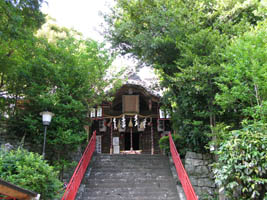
133	170
101	174
127	198
112	193
129	190
152	185
141	157
135	167
134	181
130	193
132	161
128	177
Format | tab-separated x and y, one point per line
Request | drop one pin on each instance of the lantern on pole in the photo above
46	118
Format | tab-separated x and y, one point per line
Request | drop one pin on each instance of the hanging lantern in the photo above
130	123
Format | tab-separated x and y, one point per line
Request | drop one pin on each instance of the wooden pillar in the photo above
152	137
150	105
111	137
131	138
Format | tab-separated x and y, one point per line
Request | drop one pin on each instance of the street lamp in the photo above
46	116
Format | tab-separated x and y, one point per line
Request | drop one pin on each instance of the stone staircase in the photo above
128	177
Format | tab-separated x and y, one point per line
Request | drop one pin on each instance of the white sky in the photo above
83	16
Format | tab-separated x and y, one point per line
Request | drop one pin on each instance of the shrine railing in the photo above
183	177
75	181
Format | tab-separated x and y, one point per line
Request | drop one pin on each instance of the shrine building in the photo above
132	123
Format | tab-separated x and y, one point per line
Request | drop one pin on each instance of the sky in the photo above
84	16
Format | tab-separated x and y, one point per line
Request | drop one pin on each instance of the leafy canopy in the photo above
242	83
66	76
18	21
184	41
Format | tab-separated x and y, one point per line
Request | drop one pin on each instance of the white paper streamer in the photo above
123	122
135	120
115	124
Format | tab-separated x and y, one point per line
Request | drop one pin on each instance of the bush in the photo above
242	163
178	141
29	171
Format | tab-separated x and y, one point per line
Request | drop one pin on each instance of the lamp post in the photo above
46	117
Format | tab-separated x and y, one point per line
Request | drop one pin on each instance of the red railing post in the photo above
75	181
183	177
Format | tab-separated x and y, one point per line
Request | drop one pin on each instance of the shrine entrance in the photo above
127	139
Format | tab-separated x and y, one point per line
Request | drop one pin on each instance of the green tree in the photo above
184	41
18	21
242	83
29	171
241	153
65	75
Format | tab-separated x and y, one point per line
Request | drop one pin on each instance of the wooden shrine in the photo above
132	123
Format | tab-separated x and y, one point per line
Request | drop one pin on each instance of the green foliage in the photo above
178	141
19	18
64	74
18	22
242	83
184	41
217	136
29	171
242	162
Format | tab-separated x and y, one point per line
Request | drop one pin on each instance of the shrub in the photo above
29	171
242	163
178	141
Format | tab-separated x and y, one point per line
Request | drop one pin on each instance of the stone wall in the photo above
200	175
6	138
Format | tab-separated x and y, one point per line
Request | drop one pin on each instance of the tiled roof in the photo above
147	79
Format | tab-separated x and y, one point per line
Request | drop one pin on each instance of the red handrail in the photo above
79	172
187	186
